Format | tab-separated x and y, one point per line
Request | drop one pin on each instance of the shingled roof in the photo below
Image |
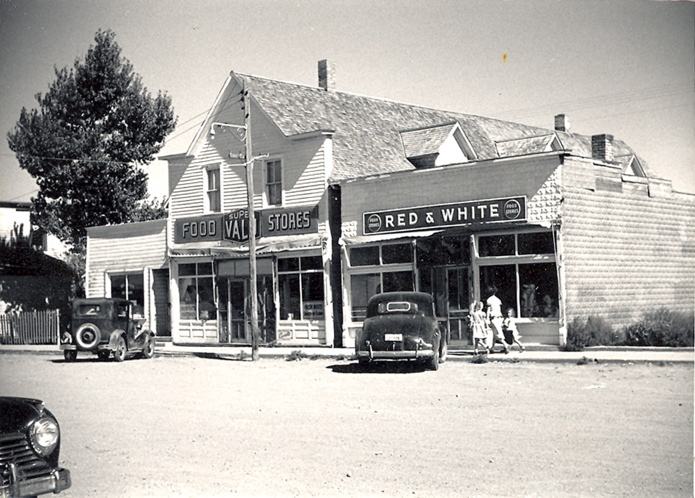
367	131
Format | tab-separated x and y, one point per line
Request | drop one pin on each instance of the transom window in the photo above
273	182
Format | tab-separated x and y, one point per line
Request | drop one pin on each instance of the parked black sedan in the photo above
29	449
402	326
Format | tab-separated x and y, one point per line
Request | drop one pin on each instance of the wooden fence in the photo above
30	327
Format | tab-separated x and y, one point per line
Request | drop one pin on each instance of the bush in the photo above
594	331
662	328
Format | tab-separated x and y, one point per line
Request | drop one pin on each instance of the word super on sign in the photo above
446	215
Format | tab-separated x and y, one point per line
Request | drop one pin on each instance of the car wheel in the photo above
103	354
434	361
121	349
444	353
70	354
148	351
87	336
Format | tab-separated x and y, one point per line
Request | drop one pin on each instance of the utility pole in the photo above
255	332
249	159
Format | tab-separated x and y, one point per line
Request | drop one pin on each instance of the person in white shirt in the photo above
495	317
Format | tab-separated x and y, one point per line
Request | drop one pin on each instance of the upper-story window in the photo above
273	182
213	190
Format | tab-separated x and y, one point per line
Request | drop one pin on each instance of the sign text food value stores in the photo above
445	215
234	226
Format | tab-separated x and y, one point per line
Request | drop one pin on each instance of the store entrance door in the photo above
452	291
233	292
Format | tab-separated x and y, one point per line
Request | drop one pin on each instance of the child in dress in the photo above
479	326
511	333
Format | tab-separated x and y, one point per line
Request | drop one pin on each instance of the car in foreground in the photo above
29	449
402	326
105	326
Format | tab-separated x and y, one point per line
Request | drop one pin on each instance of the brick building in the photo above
357	195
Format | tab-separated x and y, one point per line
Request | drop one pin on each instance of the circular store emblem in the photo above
374	223
512	209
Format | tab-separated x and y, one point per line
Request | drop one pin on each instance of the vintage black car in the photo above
107	325
29	449
402	326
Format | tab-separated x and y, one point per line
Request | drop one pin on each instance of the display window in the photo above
196	291
129	286
376	269
300	286
523	271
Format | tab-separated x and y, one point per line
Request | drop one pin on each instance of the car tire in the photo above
444	353
87	336
434	361
121	349
70	354
148	350
103	354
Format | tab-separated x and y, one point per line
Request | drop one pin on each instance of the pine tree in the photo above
86	144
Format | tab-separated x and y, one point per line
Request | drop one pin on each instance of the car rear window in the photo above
397	307
89	310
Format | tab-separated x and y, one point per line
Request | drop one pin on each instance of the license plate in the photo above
393	337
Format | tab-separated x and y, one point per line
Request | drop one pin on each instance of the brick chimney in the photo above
602	147
326	75
562	122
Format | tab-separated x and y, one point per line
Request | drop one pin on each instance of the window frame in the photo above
196	277
300	272
267	184
516	260
207	191
377	270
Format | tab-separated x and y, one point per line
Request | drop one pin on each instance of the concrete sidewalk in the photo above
533	353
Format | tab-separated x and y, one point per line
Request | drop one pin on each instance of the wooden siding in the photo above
624	252
127	247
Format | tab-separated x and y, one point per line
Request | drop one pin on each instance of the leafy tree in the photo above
87	142
150	209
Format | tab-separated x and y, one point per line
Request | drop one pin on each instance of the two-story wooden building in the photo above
357	195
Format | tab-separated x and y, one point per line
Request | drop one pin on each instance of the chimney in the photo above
326	75
562	122
602	147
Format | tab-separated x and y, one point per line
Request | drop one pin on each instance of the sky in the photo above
622	67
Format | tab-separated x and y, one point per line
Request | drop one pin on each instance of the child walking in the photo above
511	333
479	326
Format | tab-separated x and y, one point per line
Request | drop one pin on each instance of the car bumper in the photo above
395	355
57	481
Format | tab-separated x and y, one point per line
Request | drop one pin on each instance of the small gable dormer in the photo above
528	145
438	145
631	165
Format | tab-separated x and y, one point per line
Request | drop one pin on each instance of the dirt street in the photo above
190	426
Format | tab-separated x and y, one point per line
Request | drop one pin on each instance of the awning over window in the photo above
384	237
264	246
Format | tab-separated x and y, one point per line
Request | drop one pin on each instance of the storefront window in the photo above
300	282
539	290
522	283
197	301
389	268
129	286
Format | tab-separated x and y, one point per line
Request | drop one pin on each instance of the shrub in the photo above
594	331
661	327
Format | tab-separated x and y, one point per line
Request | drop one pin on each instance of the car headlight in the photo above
44	435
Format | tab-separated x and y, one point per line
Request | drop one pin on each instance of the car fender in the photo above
113	338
